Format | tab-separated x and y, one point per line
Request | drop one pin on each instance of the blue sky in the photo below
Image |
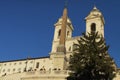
27	26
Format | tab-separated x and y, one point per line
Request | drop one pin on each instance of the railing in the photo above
60	72
55	72
40	74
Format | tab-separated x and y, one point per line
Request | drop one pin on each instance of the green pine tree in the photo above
90	60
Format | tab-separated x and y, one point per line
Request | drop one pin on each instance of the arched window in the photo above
59	32
93	27
68	33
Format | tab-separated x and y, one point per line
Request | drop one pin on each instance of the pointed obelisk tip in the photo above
65	11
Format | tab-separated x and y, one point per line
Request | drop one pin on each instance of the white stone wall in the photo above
12	67
19	66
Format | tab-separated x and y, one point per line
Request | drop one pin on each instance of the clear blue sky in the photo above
27	26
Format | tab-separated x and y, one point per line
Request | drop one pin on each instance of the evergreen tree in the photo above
90	60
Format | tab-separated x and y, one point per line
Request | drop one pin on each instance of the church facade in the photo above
54	66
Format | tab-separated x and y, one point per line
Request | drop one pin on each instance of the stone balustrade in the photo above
55	72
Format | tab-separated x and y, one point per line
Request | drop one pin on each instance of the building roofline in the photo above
25	59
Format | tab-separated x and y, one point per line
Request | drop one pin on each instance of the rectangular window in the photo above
37	65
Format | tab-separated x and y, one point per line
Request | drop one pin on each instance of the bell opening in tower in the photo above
93	28
59	32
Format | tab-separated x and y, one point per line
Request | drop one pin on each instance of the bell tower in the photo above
95	22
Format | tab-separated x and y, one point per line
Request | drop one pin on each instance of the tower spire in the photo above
94	7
